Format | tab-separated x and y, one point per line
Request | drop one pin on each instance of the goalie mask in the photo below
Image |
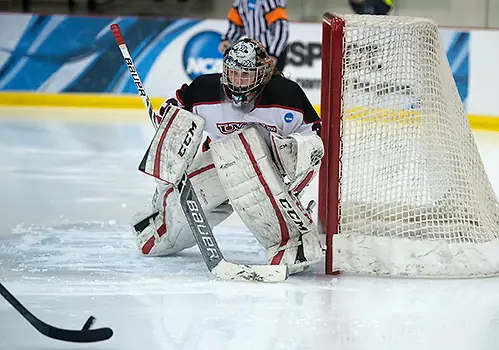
247	68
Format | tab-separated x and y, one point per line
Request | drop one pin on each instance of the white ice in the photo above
67	191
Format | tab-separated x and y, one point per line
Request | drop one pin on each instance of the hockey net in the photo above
403	190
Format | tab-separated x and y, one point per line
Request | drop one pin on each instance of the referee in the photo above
263	20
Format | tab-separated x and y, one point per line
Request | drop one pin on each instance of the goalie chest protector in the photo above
282	107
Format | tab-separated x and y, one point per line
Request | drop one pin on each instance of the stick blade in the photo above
87	336
256	273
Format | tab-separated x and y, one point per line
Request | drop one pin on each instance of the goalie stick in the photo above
85	335
191	207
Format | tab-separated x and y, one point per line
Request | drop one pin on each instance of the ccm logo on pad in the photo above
293	215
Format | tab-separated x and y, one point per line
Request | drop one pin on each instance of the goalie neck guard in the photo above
247	68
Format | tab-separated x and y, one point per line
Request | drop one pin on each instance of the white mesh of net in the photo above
411	174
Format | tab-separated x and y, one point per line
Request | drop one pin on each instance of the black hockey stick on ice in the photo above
196	217
85	335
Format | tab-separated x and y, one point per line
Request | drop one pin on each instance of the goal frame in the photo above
402	188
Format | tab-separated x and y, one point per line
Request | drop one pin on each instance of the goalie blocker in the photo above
239	168
174	145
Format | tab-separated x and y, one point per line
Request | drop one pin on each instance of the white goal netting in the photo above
414	197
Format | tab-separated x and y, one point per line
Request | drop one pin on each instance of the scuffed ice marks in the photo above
90	248
103	256
86	253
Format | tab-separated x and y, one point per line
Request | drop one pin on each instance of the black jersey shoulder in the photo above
286	93
203	89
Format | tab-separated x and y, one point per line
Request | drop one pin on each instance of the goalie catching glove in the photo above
298	158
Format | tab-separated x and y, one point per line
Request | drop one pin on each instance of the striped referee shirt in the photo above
262	20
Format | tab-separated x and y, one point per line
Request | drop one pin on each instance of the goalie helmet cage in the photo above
403	191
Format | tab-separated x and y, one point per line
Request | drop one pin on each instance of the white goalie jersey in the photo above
282	108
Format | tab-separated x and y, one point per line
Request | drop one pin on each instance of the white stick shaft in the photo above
133	72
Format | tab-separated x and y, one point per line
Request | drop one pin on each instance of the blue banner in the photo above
456	45
79	54
82	53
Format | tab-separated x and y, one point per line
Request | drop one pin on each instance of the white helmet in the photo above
247	68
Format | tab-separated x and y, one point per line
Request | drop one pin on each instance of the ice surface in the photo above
67	191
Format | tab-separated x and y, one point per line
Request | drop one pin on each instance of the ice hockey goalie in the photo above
248	139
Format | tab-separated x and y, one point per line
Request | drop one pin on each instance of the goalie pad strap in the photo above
174	145
300	186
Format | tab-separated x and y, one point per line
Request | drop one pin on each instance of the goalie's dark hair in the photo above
277	73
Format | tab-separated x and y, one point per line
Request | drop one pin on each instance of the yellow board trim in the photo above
480	122
477	122
28	99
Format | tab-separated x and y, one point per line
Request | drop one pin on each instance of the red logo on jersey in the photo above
230	127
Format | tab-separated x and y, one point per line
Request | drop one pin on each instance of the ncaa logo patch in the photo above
201	54
288	117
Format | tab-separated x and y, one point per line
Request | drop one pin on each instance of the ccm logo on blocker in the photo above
187	139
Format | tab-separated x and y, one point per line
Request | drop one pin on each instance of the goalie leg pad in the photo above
174	145
260	197
162	229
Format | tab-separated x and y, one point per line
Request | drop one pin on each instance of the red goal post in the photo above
330	109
